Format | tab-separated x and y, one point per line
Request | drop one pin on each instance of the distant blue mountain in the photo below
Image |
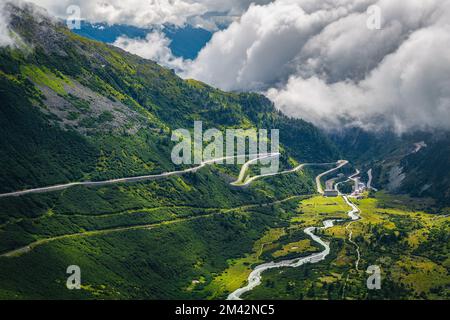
186	42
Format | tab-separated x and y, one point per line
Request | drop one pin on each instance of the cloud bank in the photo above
316	59
5	33
154	47
319	61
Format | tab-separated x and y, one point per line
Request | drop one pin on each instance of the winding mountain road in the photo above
340	164
369	182
245	182
239	182
29	247
134	179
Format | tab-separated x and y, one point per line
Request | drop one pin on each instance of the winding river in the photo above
255	277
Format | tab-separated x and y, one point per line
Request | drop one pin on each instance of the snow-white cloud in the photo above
154	47
318	60
5	33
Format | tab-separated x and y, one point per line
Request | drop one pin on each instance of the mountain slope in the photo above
94	92
74	109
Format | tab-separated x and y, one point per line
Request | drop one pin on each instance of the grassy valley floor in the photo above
409	245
